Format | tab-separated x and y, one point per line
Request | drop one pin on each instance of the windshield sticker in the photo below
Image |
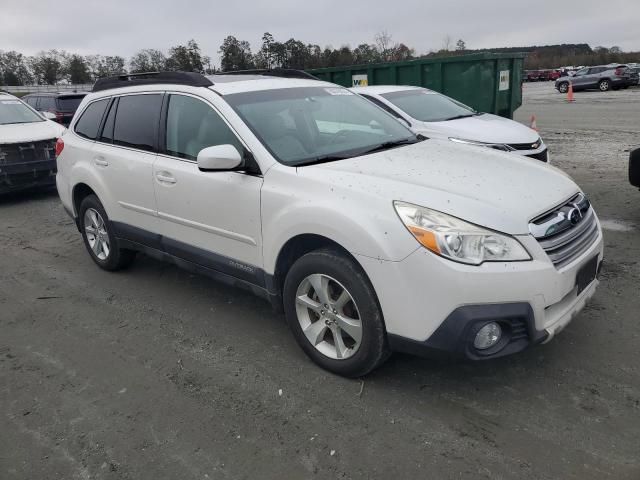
11	102
338	91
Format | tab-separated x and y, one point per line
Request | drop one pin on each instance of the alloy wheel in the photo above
328	316
96	232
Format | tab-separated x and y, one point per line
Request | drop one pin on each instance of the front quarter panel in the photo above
364	224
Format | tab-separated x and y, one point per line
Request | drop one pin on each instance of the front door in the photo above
209	218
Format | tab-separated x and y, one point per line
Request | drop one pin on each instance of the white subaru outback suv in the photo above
371	239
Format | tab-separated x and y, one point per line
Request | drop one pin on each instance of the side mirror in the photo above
48	115
219	157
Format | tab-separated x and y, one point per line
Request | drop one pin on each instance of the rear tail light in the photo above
59	146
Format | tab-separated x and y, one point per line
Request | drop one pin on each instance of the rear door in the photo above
595	74
123	157
209	218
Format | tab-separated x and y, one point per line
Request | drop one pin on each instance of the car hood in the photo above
489	188
30	132
486	128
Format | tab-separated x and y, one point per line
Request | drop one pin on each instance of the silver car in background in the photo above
600	77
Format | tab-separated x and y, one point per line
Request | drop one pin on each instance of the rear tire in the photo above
333	312
604	85
99	238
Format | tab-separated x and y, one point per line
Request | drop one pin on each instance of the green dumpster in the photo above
488	82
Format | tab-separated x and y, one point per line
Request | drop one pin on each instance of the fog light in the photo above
488	336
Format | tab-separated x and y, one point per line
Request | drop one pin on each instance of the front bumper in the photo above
432	305
20	176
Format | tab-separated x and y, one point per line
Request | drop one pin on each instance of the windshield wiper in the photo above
393	144
322	159
343	156
457	117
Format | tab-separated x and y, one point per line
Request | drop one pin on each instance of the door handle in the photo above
101	162
165	177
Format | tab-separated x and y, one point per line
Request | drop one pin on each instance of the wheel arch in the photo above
295	248
80	192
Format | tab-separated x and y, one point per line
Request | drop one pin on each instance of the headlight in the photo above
458	240
495	146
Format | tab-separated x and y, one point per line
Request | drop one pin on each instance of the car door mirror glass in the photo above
219	157
48	115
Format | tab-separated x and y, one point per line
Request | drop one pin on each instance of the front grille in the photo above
27	152
566	232
542	156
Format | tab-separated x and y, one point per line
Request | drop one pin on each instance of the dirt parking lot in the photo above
155	373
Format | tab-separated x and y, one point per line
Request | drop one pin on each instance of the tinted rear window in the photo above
107	131
137	121
69	104
47	104
89	123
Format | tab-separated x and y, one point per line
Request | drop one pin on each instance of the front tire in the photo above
563	87
333	312
604	85
99	238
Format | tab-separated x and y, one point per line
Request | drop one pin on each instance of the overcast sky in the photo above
122	27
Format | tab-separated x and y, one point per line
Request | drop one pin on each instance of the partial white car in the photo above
437	116
27	146
371	238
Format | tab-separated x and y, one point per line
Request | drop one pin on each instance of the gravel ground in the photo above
154	373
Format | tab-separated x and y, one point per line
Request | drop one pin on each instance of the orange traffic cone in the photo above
570	93
534	125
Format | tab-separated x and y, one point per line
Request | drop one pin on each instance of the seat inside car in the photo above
283	141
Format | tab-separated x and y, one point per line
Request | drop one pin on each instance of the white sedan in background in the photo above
438	116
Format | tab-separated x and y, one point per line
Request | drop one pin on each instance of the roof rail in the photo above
149	78
275	72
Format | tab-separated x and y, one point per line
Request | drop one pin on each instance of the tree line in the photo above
58	66
55	66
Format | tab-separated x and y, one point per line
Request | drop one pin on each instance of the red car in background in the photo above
541	75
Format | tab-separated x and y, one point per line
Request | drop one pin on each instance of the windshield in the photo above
317	124
14	111
427	106
69	104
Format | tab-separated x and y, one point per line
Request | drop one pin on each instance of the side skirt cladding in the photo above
224	269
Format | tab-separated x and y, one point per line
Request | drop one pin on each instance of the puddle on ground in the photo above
617	226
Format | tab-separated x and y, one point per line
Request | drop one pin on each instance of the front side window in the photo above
136	122
429	106
89	123
13	111
192	125
307	125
